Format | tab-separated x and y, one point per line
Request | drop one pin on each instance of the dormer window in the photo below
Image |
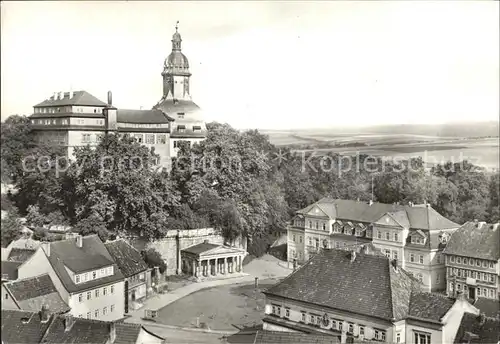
180	114
181	128
196	128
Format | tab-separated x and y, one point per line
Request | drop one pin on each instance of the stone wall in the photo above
170	249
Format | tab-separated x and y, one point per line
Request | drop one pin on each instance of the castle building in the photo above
414	235
76	119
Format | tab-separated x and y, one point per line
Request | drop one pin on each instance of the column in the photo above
225	265
240	263
216	266
193	267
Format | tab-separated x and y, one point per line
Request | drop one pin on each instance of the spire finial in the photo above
176	26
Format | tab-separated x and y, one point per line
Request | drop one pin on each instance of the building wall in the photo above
37	265
7	300
81	309
296	308
394	246
169	249
473	276
434	330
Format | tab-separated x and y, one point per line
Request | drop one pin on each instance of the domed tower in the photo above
188	120
176	71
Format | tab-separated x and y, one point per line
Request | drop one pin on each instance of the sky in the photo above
272	65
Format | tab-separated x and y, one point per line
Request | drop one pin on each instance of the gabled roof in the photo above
369	285
430	306
476	240
206	248
82	98
142	116
32	293
82	331
416	216
128	259
200	248
127	333
92	255
20	254
490	307
472	328
171	107
22	327
278	337
10	269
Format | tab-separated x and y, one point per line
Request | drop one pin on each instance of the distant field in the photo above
433	149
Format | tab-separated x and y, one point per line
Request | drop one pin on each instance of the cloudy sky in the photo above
263	64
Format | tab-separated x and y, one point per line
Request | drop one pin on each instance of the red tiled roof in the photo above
475	240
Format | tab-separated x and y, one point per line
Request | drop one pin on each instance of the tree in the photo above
494	208
11	228
153	258
16	140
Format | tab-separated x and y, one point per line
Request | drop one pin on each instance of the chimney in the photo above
460	295
481	319
54	96
475	220
371	202
352	255
425	201
394	264
205	241
112	333
61	95
46	248
71	94
481	224
79	241
68	322
110	98
44	314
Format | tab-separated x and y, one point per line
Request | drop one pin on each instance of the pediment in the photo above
223	250
387	220
316	211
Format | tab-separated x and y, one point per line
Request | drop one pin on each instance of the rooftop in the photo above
419	216
32	293
20	254
478	329
22	327
82	98
476	240
9	269
128	259
200	248
92	255
142	116
430	306
490	307
370	285
278	337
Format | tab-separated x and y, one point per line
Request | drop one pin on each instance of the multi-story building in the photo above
135	270
84	274
75	119
357	296
414	234
473	260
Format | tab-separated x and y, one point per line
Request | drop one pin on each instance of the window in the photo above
420	278
459	286
303	317
478	262
465	261
180	114
96	313
438	258
139	138
181	128
379	334
80	297
80	121
350	328
368	233
379	234
358	232
485	264
421	259
398	337
99	137
104	291
492	278
324	226
89	294
287	312
150	139
85	138
438	278
334	324
473	274
459	260
317	243
309	223
94	274
396	237
492	265
492	293
452	259
97	293
361	330
340	326
104	310
485	292
387	236
395	255
459	272
161	139
316	225
77	279
337	244
88	315
478	291
422	338
300	239
412	257
310	241
387	253
112	308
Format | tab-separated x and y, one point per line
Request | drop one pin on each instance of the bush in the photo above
153	258
259	245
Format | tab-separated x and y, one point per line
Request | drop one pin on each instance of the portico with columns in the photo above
207	260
